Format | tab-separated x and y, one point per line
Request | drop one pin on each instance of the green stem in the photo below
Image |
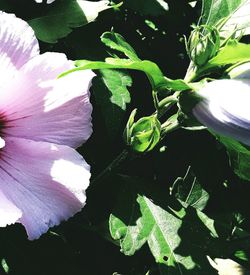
111	167
168	100
165	104
191	74
168	127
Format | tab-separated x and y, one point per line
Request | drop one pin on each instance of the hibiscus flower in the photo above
224	108
42	120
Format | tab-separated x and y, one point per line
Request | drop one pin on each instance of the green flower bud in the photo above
203	44
144	134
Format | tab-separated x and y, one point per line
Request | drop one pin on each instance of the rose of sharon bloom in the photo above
42	119
224	108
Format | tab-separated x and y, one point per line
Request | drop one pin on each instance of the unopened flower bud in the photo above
144	134
203	44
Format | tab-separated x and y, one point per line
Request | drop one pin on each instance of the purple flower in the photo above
224	108
42	119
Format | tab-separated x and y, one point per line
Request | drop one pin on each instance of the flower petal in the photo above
47	182
225	108
9	213
39	106
18	45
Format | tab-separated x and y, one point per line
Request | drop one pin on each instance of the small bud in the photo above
203	44
144	134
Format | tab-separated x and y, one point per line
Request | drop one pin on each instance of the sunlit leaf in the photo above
233	52
169	229
235	13
117	42
156	77
117	83
63	16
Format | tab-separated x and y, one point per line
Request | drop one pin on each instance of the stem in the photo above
165	104
155	99
167	100
169	126
191	74
112	166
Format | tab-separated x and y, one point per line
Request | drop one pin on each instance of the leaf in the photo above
117	83
126	225
156	77
166	226
189	191
238	20
239	156
163	238
148	7
112	114
63	16
233	52
117	42
235	13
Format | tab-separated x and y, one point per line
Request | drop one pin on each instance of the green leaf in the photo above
163	238
156	77
238	19
175	235
117	83
65	15
239	156
112	113
235	13
126	225
242	255
148	7
233	52
117	42
189	191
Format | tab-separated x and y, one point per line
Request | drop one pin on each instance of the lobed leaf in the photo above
117	83
117	42
166	226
